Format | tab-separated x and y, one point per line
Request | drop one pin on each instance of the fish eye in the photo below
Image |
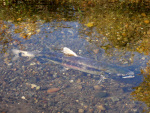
20	54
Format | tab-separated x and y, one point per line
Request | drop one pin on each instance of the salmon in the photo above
71	60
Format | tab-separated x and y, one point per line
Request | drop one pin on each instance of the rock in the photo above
71	81
32	63
33	86
38	87
52	90
114	99
79	86
96	51
81	110
85	106
23	97
101	95
101	108
79	81
146	21
97	87
77	100
143	14
91	110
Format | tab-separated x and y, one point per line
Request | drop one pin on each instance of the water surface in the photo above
29	85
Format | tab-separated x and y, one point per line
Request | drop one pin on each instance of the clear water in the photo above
25	82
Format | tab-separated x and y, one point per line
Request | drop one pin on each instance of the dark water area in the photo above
92	82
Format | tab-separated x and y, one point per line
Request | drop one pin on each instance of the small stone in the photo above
97	87
143	14
148	32
38	87
23	97
33	63
33	86
81	110
79	86
79	81
55	75
91	110
101	108
101	95
96	51
9	64
146	21
52	90
114	99
77	100
89	75
80	51
38	30
35	100
85	106
71	81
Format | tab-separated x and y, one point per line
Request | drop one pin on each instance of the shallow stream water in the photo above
29	85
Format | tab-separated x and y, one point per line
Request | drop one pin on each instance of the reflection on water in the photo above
37	85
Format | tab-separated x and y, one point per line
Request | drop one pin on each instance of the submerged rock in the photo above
52	90
101	95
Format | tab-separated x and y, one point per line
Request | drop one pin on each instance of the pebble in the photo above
146	21
97	87
33	63
85	106
9	64
96	51
81	110
101	94
79	86
71	81
77	100
91	110
33	86
79	81
38	87
52	90
114	99
143	14
23	97
101	108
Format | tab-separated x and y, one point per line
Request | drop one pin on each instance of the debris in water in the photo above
68	52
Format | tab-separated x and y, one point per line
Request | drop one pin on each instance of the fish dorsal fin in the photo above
68	52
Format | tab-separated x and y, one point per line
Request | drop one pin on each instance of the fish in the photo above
70	59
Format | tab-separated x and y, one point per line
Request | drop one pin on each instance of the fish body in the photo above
77	62
89	65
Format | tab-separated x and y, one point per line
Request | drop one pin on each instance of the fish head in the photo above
20	53
27	54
